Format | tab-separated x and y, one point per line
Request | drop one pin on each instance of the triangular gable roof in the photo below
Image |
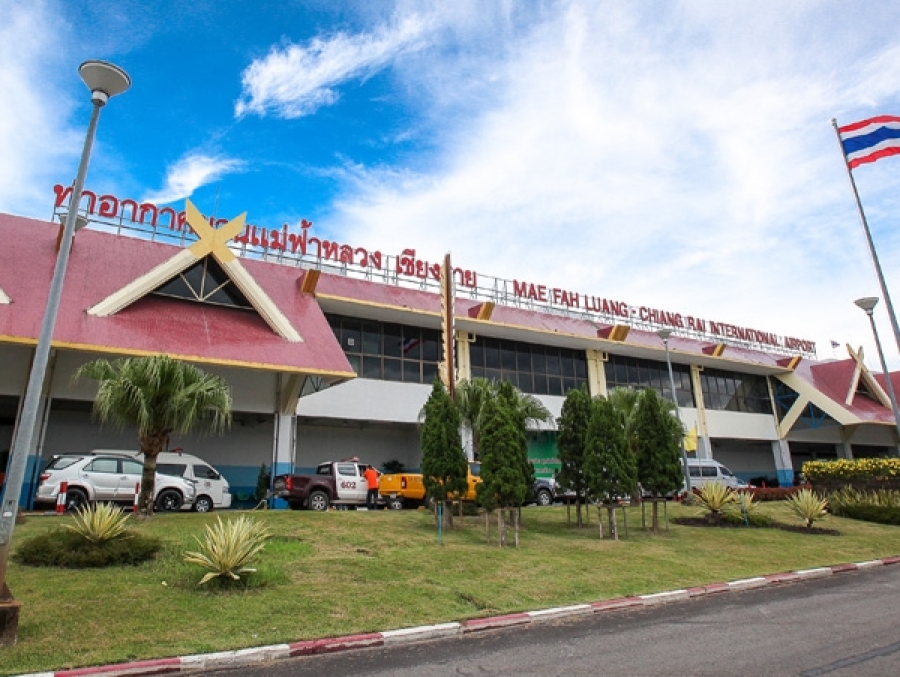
3	297
102	263
213	242
827	384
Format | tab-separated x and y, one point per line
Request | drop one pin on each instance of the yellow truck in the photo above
400	490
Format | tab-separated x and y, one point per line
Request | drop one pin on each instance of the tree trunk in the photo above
515	518
487	526
501	528
655	525
613	527
600	521
150	445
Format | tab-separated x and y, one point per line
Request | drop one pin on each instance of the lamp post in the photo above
664	334
104	80
868	305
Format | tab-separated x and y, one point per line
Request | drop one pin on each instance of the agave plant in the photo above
228	548
808	506
715	498
99	522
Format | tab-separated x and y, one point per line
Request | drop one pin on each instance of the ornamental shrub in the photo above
844	470
69	549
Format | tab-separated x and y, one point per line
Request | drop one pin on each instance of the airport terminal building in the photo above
331	348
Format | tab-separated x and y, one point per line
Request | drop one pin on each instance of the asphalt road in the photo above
841	626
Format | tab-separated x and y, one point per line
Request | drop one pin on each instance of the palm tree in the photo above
471	397
159	395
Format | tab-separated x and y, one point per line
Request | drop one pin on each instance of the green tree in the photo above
444	466
158	395
504	445
624	401
571	443
610	468
659	436
471	396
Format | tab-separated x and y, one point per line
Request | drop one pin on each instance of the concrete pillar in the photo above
596	373
283	451
844	449
704	444
463	356
783	463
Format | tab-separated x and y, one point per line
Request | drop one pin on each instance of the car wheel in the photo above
543	497
203	504
318	500
395	503
76	499
169	500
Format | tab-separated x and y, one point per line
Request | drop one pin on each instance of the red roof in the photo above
102	263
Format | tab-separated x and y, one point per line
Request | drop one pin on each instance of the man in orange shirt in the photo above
371	476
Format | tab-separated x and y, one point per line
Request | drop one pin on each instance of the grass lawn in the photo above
345	572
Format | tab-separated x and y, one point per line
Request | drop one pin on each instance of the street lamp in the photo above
664	334
868	305
104	80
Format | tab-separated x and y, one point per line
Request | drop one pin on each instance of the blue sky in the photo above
678	155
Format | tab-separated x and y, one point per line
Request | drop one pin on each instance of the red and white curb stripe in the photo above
229	659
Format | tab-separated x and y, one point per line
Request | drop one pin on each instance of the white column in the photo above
783	464
283	449
844	449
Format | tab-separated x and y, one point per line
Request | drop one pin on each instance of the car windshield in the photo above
62	462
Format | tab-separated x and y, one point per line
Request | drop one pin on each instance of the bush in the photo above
69	549
228	548
845	470
808	506
99	522
774	493
880	514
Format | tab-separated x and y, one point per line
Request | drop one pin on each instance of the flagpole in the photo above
862	216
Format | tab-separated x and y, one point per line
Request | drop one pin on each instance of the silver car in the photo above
107	477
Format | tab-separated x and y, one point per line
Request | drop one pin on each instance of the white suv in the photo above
107	477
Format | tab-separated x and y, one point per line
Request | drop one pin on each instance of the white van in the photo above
705	470
213	490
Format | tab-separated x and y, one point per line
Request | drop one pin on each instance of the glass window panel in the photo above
492	375
567	365
538	361
351	336
393	370
507	357
412	371
491	355
569	384
130	467
553	366
476	354
621	374
355	363
431	347
540	385
412	344
429	372
523	357
371	367
371	338
526	382
554	385
477	372
580	366
393	340
633	375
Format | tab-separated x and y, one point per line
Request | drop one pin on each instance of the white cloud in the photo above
189	173
296	80
681	159
34	139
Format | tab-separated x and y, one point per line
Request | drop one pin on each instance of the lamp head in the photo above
867	304
664	334
104	79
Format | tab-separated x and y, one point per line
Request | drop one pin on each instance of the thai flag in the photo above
870	140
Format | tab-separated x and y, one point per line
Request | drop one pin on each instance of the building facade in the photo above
331	349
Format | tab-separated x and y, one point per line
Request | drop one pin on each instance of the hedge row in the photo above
845	470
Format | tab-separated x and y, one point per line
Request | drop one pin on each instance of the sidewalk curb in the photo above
228	659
